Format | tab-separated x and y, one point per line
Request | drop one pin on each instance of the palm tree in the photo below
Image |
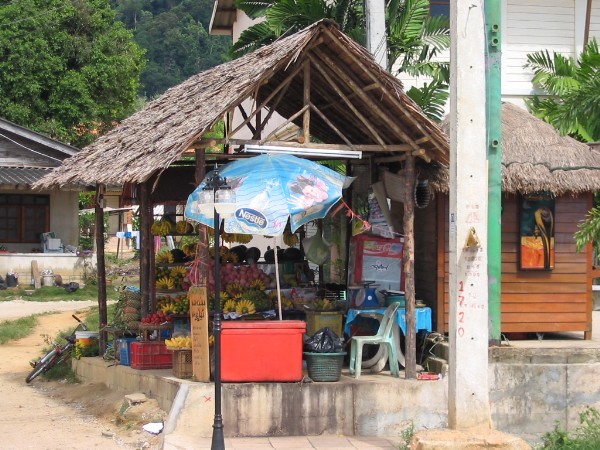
571	99
414	38
572	105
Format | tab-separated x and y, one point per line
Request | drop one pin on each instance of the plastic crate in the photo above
182	364
124	350
150	355
315	320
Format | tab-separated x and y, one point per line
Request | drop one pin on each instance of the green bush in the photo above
585	437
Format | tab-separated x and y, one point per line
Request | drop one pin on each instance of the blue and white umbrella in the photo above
269	190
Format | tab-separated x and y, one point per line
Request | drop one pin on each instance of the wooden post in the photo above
100	263
198	294
306	96
408	255
145	247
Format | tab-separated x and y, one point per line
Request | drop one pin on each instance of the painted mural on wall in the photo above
536	250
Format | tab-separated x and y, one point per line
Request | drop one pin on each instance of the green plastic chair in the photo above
384	336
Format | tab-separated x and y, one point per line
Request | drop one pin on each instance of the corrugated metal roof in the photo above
22	175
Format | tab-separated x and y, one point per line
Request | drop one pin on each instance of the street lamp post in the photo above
219	197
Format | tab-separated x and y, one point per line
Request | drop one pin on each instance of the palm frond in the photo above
254	8
589	229
431	98
252	38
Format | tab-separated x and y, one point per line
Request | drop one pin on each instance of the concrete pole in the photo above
468	401
376	36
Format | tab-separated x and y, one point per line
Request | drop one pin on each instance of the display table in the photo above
422	317
377	362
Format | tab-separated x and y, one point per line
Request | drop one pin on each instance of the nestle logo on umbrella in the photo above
251	217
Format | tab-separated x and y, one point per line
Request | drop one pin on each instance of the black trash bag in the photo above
2	284
71	287
12	280
324	341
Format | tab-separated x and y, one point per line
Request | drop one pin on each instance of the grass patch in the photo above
11	330
55	293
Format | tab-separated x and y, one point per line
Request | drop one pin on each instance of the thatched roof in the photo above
535	157
353	102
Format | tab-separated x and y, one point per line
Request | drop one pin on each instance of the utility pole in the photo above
494	134
468	399
376	36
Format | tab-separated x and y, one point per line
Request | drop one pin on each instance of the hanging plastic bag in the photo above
316	249
324	341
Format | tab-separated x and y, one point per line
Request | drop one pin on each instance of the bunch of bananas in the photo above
229	306
323	304
231	237
179	343
245	307
290	239
165	283
184	227
177	305
164	257
163	227
178	273
189	249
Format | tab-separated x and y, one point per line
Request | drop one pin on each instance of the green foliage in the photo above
175	38
407	435
589	229
585	437
414	38
285	17
431	98
571	101
67	69
11	330
86	200
87	225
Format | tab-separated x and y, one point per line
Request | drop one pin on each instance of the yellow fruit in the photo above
165	283
230	306
245	307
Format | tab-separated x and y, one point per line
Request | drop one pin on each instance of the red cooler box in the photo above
262	350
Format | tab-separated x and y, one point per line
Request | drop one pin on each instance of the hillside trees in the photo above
67	68
174	34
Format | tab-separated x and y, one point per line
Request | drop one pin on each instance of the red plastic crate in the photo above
150	355
267	350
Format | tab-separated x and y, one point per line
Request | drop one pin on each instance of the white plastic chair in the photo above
384	336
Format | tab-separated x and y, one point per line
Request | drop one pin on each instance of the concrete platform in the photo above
533	385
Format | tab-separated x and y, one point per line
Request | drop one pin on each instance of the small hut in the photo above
548	183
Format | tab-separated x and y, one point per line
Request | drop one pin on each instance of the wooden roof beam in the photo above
333	127
339	92
384	89
283	86
368	100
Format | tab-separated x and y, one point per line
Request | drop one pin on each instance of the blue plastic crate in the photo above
124	348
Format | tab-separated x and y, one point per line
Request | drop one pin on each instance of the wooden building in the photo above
539	168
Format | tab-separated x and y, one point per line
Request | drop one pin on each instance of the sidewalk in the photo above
293	443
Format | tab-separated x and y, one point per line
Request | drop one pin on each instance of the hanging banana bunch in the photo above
289	238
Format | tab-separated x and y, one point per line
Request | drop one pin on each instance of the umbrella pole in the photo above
277	280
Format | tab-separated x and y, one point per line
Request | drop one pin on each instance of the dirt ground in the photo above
58	415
